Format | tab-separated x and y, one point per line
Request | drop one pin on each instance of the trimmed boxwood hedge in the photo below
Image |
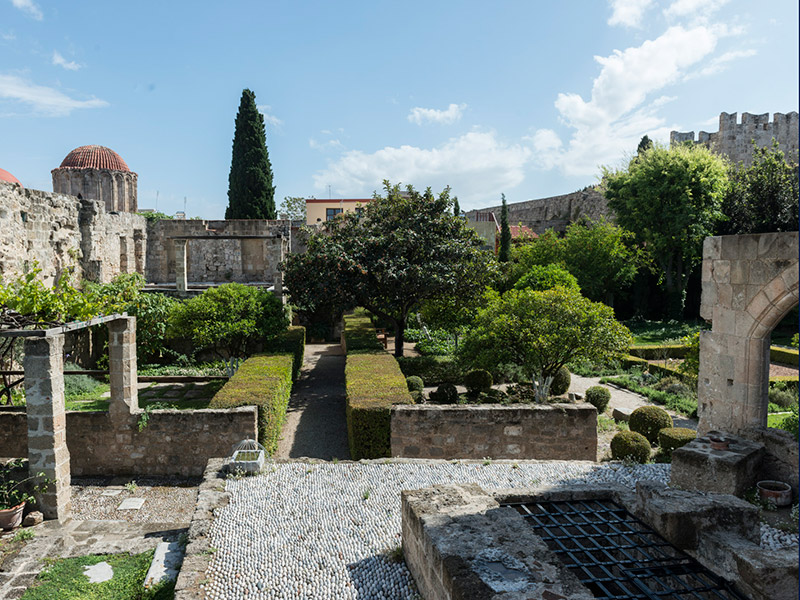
374	382
292	341
263	381
434	370
787	356
658	352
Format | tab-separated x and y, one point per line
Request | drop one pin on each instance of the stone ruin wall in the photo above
734	139
218	261
60	231
555	212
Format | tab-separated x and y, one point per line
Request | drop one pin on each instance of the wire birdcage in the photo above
247	457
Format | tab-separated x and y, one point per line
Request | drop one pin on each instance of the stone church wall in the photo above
247	251
555	212
59	231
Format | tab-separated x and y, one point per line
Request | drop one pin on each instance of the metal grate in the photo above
617	556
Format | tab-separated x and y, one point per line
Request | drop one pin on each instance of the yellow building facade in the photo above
319	211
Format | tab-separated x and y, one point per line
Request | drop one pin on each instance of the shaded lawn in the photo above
152	396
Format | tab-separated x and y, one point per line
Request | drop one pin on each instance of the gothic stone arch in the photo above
750	282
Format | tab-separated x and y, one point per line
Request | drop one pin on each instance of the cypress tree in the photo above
505	233
456	207
251	194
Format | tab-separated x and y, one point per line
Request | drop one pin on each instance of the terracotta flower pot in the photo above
776	491
11	517
719	443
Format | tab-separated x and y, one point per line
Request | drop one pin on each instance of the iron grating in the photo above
618	557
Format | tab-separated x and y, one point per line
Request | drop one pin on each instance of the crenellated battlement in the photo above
734	139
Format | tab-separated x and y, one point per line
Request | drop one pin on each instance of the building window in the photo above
330	213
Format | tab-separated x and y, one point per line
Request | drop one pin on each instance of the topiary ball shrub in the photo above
598	396
671	438
477	381
414	383
630	445
561	382
649	420
445	394
783	398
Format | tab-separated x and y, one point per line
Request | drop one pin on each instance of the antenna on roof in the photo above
156	200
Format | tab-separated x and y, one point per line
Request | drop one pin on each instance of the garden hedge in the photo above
787	356
374	382
659	352
434	370
672	438
263	381
292	341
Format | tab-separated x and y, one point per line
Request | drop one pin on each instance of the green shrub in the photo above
630	445
547	277
681	404
359	333
671	438
783	398
264	382
415	384
434	370
374	383
228	319
561	382
292	341
791	424
445	394
598	396
786	356
78	385
477	381
649	420
440	344
659	352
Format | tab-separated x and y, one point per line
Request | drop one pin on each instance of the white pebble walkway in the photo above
325	531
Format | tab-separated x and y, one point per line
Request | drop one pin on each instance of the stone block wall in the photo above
174	442
240	259
531	431
555	212
60	231
735	140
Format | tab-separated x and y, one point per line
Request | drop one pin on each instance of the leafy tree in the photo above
644	145
505	233
600	256
228	319
251	194
294	208
544	250
151	217
547	277
670	199
542	331
456	207
763	197
403	250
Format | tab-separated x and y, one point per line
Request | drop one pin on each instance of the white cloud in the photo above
29	7
44	100
618	113
269	118
452	114
720	63
628	12
8	36
329	145
476	165
60	61
691	8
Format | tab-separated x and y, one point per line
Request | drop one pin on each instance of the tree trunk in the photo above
399	336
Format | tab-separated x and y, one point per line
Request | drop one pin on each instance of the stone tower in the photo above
97	173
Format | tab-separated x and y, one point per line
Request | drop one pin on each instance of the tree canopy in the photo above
401	250
505	234
251	194
294	208
763	197
542	331
670	198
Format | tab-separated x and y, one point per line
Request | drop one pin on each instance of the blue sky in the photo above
526	98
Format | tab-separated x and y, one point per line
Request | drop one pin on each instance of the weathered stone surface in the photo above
696	466
530	431
682	516
735	140
32	519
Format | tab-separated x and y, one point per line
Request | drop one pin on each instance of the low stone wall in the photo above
781	455
525	431
174	442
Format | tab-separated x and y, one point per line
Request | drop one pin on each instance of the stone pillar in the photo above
47	422
122	368
181	282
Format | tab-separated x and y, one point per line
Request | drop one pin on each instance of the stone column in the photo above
181	282
122	369
47	422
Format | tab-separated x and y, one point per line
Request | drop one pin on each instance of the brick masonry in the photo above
529	431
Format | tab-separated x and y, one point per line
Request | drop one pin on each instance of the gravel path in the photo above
315	422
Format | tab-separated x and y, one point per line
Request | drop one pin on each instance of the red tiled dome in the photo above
6	176
94	157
